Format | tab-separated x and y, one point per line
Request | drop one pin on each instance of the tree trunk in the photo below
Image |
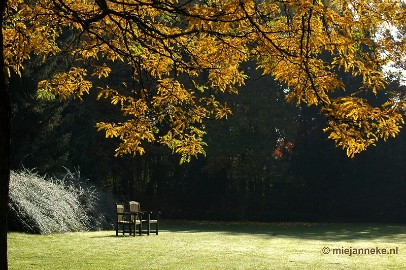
5	113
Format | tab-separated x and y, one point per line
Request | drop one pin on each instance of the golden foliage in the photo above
193	51
354	124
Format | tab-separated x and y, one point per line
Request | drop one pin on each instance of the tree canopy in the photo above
184	55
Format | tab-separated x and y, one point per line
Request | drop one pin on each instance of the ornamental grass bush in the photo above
66	203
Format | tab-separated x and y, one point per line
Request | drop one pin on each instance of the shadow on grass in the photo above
311	231
120	235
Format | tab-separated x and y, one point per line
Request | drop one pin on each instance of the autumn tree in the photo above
183	54
171	45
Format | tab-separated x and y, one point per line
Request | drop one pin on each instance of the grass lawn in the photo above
209	245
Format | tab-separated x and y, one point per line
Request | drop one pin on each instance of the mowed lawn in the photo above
210	245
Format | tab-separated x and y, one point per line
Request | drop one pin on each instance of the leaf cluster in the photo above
184	55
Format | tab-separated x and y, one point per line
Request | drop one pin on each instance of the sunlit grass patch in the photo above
207	245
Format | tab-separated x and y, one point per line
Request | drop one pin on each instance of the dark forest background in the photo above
270	161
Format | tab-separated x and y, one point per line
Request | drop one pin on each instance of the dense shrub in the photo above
46	205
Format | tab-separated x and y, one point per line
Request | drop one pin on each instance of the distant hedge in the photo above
47	205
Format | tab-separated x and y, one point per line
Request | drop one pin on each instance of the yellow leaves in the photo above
191	147
353	143
132	133
101	71
344	34
142	124
169	140
159	43
25	32
354	124
223	78
157	65
89	53
223	112
67	84
129	106
372	77
183	58
188	145
111	131
390	122
171	91
174	107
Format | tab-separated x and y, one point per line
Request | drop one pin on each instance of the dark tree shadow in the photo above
316	231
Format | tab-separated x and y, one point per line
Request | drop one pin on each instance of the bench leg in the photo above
149	228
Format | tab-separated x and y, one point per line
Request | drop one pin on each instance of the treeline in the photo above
270	161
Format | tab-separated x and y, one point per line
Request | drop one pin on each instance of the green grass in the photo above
207	245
